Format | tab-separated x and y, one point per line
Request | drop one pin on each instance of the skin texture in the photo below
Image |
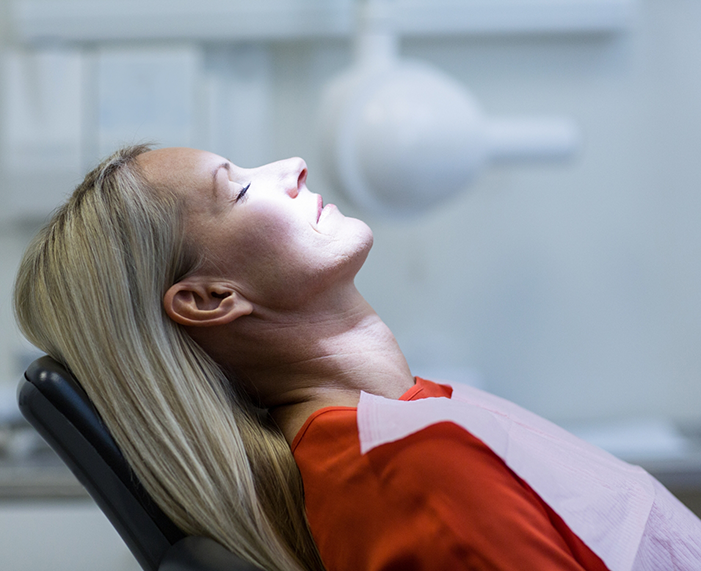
275	301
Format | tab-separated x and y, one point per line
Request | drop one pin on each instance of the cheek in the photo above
270	254
271	239
279	258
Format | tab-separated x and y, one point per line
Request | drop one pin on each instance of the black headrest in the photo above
54	403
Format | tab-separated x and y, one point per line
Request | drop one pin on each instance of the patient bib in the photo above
618	510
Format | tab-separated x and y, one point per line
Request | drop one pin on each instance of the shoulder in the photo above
328	449
438	499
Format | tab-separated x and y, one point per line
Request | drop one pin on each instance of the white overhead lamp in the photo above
398	136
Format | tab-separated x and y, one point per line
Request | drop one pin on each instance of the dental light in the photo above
398	136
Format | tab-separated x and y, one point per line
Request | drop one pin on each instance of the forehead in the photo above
181	169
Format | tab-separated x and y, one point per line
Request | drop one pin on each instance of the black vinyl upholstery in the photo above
54	403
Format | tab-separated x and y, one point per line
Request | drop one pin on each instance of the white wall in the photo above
574	289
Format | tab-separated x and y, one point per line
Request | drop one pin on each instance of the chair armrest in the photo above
202	554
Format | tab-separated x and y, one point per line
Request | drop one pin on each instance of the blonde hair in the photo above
89	293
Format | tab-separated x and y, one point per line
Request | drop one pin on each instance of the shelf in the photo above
243	20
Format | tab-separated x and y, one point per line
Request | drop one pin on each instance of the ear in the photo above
203	302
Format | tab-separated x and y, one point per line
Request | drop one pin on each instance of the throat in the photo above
297	365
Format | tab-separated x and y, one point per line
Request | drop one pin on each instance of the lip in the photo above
320	207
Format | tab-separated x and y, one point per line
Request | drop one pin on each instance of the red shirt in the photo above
436	500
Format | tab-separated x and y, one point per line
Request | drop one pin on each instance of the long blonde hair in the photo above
89	293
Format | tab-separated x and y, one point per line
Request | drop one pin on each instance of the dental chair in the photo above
58	408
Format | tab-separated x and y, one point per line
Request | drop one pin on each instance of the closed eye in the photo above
242	193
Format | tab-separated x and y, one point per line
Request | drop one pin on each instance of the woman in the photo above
89	292
212	314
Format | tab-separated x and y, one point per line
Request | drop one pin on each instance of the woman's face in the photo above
262	228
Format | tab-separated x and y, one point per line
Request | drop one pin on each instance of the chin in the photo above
365	237
365	244
364	230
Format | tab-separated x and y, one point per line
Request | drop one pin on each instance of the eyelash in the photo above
242	193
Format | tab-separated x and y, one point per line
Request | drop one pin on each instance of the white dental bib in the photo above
619	511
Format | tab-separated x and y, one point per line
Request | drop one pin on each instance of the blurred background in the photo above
571	287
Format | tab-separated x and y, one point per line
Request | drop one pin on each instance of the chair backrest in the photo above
54	403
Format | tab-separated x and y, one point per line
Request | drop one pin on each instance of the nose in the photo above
295	175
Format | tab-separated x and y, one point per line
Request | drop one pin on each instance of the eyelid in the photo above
242	193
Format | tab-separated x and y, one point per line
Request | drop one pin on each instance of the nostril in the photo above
294	175
302	178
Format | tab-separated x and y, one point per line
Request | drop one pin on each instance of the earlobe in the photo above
197	302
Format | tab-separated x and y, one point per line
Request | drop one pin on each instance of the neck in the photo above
295	364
